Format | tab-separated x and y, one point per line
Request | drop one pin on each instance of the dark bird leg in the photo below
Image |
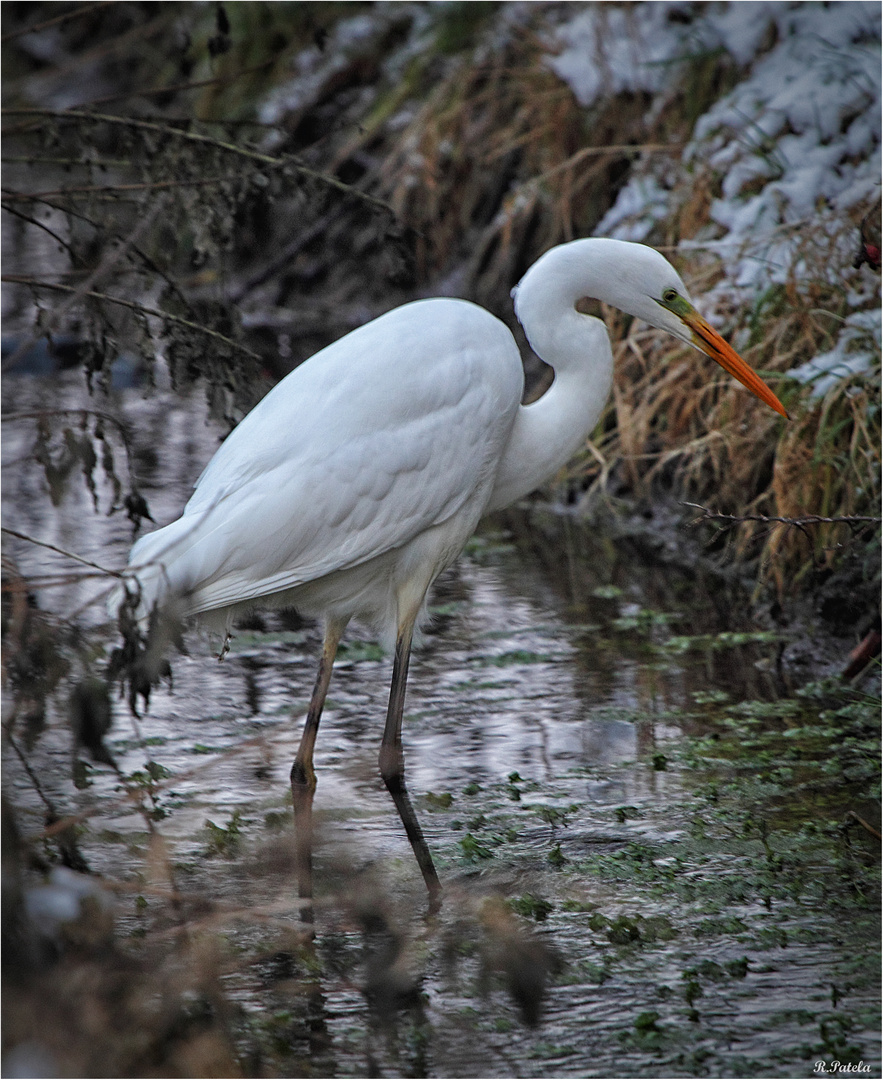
303	776
392	762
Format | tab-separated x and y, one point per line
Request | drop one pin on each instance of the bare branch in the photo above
23	279
60	551
110	258
99	227
39	414
40	225
60	580
266	160
797	523
179	88
95	189
66	17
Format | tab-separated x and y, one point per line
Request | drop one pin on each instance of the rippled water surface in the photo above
612	908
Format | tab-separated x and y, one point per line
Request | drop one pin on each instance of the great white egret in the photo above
362	474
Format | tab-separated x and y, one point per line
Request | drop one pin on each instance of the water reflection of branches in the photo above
87	449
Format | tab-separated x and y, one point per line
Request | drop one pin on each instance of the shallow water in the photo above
653	929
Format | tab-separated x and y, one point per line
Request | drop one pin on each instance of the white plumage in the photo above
378	440
362	474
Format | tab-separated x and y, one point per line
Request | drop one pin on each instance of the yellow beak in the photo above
712	344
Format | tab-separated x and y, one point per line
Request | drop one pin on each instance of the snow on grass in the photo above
314	67
797	141
609	49
855	353
794	148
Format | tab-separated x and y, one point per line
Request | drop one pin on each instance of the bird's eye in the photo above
670	295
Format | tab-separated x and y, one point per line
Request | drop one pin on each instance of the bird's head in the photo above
634	278
649	287
679	317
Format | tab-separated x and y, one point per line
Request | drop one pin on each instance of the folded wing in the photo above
370	442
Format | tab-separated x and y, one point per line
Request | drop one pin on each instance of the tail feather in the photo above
156	572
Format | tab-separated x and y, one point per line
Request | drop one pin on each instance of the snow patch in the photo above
854	354
607	49
795	146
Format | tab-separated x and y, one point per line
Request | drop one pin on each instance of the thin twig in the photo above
47	23
179	88
158	786
40	414
870	828
60	551
66	162
34	778
285	256
206	140
41	225
599	151
100	227
799	523
23	279
111	257
58	581
94	189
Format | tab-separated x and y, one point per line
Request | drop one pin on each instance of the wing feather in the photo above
372	441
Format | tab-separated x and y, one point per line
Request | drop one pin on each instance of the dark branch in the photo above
60	551
266	160
22	279
794	522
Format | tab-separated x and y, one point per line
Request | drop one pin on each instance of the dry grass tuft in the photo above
499	162
677	423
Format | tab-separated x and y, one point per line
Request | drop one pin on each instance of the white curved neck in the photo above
547	433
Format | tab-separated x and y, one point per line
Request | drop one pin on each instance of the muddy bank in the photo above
820	624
